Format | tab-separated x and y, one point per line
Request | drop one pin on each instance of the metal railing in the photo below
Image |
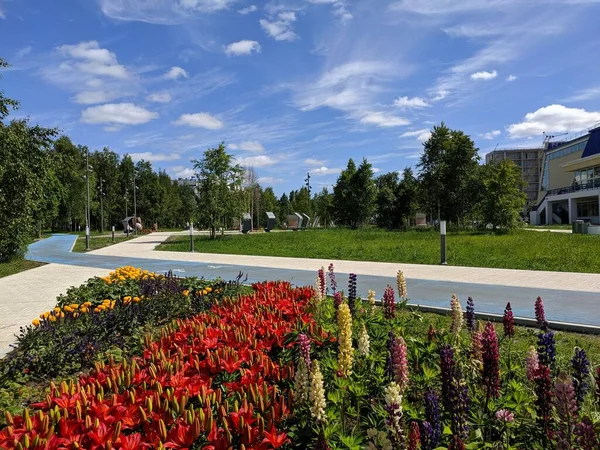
575	188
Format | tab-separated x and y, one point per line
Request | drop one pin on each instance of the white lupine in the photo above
401	283
301	383
317	393
318	292
371	299
364	343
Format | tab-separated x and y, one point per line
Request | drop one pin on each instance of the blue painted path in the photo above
560	305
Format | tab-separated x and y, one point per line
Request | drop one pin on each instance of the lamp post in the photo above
87	215
127	226
134	206
443	242
101	209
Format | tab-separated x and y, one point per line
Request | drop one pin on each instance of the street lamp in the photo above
101	209
134	206
87	215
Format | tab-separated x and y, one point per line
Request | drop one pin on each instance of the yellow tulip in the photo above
52	318
36	322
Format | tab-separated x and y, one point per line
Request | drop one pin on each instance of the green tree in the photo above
6	104
323	206
406	197
502	199
354	195
387	201
285	208
447	174
219	188
270	203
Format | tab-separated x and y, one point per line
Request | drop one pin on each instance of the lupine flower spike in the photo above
322	282
470	314
566	410
580	365
352	292
389	303
476	346
531	362
457	315
540	315
301	383
414	436
345	350
337	299
364	343
401	284
456	443
491	367
393	403
317	287
547	349
332	281
544	394
317	393
371	299
586	435
508	321
400	363
433	417
304	343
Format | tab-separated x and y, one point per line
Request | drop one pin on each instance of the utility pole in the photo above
101	209
307	180
87	216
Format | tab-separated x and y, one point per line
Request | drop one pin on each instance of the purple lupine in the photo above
337	299
304	343
566	410
447	364
508	321
426	433
543	402
587	439
491	357
547	349
540	315
433	417
460	407
332	281
580	365
352	292
470	314
389	303
400	361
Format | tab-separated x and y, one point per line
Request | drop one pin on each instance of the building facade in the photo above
529	160
569	187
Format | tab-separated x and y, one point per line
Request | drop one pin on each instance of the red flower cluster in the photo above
208	379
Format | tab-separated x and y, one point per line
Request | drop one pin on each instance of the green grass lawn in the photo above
521	249
99	242
17	265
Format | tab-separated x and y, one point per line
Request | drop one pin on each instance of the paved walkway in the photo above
568	297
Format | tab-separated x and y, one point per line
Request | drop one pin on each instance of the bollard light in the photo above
443	242
113	234
192	237
87	239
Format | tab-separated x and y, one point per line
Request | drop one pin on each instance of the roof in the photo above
593	144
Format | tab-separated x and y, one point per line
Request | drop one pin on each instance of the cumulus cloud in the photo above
383	120
314	162
248	10
326	171
159	97
160	11
553	118
421	135
249	146
256	161
281	26
200	120
511	78
175	73
407	103
491	134
182	171
244	47
117	114
483	75
89	58
155	157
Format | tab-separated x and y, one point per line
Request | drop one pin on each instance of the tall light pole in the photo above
101	209
127	226
134	206
87	215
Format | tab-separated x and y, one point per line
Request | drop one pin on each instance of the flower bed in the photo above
313	368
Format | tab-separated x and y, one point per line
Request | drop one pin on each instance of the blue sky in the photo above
301	85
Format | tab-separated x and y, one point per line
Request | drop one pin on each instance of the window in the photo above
587	209
587	176
559	154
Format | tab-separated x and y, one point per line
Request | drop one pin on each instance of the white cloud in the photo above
484	75
339	8
472	31
553	118
159	97
256	161
415	102
183	172
249	146
174	73
89	58
200	120
248	9
511	78
2	15
94	83
314	162
421	135
244	47
94	97
117	113
160	11
280	27
155	157
326	171
490	134
585	94
270	180
383	120
21	53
